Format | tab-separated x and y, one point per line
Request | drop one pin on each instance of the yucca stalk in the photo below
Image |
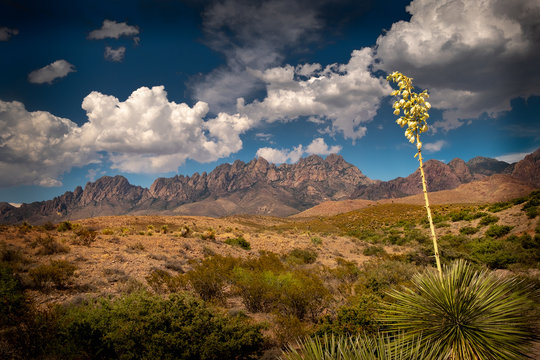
465	315
415	113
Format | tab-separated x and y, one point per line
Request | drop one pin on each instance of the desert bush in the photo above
259	290
266	261
358	318
48	246
468	230
184	231
10	254
107	231
144	326
138	246
57	272
288	328
488	219
498	230
209	234
378	277
466	314
24	227
302	294
12	299
315	240
84	236
500	206
239	241
301	256
164	229
64	226
209	277
163	282
374	250
48	226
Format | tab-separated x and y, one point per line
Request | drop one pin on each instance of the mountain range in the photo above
259	187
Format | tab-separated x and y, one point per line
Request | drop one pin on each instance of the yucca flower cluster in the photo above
414	106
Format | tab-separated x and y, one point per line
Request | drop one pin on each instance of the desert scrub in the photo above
239	241
162	282
12	300
64	226
209	277
57	273
374	250
315	240
500	206
145	326
107	231
209	234
468	230
84	236
488	219
498	230
48	246
301	256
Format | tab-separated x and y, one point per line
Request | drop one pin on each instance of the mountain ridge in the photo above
260	187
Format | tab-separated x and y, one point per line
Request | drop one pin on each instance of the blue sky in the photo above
157	88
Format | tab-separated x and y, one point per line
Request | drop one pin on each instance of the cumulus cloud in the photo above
35	147
113	29
278	156
51	72
473	56
146	133
347	95
116	55
250	34
6	33
436	146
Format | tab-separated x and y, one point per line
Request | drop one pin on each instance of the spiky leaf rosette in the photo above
466	314
414	106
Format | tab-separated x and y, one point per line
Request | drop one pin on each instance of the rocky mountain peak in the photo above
486	166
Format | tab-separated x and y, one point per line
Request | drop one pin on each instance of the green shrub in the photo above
12	299
498	230
259	290
64	226
301	294
24	227
209	277
378	277
468	230
302	256
164	229
58	272
374	250
239	241
144	326
48	246
107	231
316	240
184	231
48	226
488	219
359	318
163	282
500	206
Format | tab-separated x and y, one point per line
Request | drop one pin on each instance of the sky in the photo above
155	88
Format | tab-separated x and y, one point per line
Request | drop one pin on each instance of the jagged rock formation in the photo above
256	187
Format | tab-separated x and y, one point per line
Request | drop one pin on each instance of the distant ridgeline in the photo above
258	187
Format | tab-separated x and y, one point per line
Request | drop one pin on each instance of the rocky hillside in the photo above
256	187
441	176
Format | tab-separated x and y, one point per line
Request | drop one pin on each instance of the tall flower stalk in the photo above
415	113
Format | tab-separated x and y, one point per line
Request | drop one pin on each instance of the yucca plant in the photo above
415	109
360	347
466	314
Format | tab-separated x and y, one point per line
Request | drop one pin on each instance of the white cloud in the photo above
348	95
251	34
34	147
278	156
146	133
113	29
513	157
263	136
436	146
319	147
473	56
6	33
51	72
116	55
